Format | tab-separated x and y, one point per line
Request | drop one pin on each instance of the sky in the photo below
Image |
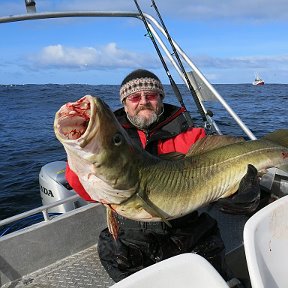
228	41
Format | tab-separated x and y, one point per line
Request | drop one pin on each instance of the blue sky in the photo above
227	40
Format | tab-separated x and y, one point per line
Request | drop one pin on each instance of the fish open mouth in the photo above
73	118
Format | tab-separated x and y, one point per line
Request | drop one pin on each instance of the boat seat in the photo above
185	270
266	245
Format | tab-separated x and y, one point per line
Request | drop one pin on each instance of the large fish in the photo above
143	187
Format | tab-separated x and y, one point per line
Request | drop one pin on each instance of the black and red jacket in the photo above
170	134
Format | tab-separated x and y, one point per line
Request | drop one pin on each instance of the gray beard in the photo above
143	123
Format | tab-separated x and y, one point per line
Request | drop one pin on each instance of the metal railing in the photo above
42	209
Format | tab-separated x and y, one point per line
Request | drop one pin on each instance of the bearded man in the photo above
159	128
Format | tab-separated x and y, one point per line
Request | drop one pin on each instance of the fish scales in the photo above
225	176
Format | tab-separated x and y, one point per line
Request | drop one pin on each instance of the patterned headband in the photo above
140	84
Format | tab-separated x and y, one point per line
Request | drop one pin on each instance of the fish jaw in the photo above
98	149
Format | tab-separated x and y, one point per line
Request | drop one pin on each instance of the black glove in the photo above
247	197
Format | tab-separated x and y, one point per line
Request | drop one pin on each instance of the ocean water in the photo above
27	140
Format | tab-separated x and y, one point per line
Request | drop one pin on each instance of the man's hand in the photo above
247	198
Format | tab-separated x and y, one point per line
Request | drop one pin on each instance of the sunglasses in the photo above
135	98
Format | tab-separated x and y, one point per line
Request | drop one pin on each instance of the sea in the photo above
27	139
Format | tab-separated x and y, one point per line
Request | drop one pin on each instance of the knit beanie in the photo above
140	80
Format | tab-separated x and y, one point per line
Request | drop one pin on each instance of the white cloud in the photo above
105	57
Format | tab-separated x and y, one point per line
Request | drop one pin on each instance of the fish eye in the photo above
118	139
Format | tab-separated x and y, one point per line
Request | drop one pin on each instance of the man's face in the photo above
143	108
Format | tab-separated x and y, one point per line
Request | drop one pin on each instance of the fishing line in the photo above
172	82
192	90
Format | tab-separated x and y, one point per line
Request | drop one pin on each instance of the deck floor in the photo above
84	269
79	270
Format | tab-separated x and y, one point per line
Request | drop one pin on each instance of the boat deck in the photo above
82	269
61	252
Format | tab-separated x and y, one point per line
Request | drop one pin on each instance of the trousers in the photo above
141	244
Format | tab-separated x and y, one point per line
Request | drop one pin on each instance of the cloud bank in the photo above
111	56
90	58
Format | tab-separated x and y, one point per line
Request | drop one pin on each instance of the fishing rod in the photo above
191	88
172	82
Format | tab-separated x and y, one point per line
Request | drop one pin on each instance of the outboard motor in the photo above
54	187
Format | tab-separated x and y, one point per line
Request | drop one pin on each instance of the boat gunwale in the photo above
44	209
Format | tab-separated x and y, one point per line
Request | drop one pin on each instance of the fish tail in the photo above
279	137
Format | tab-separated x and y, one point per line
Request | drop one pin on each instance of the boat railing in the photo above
152	23
42	209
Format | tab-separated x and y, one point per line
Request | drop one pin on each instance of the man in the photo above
159	128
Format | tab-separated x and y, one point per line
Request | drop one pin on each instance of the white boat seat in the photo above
183	271
266	245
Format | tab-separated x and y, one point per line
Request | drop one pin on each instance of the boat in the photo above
258	81
60	248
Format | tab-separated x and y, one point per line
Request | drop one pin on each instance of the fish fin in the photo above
247	197
172	156
279	137
212	142
112	223
152	208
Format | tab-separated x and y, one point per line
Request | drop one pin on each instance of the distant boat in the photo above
258	80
